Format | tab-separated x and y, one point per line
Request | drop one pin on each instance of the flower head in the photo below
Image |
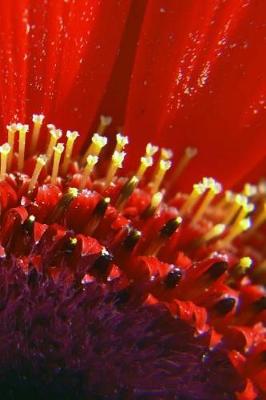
115	283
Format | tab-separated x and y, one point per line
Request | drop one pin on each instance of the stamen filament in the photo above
37	120
190	152
91	162
213	188
40	163
164	166
58	150
121	142
12	129
198	190
145	162
71	137
23	129
235	231
214	232
4	151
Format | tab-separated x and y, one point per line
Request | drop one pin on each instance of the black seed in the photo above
170	227
132	239
217	269
260	304
102	206
225	305
173	278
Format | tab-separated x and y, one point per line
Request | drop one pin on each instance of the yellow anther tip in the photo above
118	158
5	149
122	140
191	152
245	262
151	149
146	161
12	127
38	118
22	128
245	224
59	148
72	135
165	165
166	154
99	140
92	160
42	159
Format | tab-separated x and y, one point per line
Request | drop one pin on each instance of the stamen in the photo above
235	231
164	166
238	201
226	199
127	190
189	154
40	163
12	129
91	162
214	232
155	203
116	162
23	129
96	146
71	137
4	151
55	135
132	239
37	120
105	121
213	188
145	162
198	190
225	305
58	150
97	215
250	190
63	204
165	155
121	142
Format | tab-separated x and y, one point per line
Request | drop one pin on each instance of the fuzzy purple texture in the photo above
79	342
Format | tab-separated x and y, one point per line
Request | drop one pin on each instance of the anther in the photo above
37	121
249	190
165	155
173	278
23	129
234	231
214	232
70	245
116	162
224	306
71	137
239	270
58	150
91	162
11	129
105	121
97	144
132	239
127	190
145	162
4	151
63	204
151	150
55	135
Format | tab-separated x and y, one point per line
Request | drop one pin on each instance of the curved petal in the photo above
56	58
199	80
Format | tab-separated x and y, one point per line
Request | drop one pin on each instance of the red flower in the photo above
115	285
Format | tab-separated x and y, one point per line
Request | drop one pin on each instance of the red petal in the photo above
199	80
249	393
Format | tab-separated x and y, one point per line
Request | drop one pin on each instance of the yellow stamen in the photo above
198	190
165	155
12	129
23	129
234	231
244	211
40	163
213	188
226	198
151	150
260	218
4	151
121	142
37	121
214	232
164	166
105	121
58	150
97	143
190	152
245	262
91	162
238	201
145	162
55	135
71	137
116	162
